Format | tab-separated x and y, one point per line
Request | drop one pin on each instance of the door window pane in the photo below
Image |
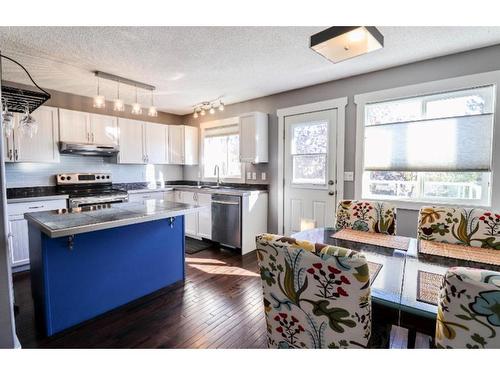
309	169
310	138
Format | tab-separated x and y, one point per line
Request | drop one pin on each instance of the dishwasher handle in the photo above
226	202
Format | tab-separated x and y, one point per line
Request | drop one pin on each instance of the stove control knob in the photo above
98	177
68	178
63	178
107	177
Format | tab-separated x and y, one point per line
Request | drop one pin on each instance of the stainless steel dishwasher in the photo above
226	219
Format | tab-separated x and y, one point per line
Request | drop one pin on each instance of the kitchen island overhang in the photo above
85	262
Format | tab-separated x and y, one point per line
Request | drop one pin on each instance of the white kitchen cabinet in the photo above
205	216
254	138
183	144
89	128
142	143
198	224
142	196
169	196
103	129
191	220
42	147
74	126
131	143
18	228
156	143
18	241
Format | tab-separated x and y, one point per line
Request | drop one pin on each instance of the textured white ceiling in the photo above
192	64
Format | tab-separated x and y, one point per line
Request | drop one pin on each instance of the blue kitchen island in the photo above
86	261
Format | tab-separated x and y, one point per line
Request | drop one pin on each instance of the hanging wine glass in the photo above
28	125
7	119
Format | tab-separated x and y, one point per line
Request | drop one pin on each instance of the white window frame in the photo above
231	121
429	88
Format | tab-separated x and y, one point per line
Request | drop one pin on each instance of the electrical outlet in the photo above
254	175
249	175
348	176
263	176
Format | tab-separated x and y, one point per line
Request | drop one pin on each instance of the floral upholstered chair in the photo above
463	226
367	216
315	296
469	309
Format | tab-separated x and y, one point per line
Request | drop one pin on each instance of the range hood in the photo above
88	150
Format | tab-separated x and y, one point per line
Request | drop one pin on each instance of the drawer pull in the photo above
35	207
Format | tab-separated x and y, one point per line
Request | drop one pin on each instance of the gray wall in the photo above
476	61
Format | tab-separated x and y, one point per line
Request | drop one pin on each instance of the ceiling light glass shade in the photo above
221	106
118	105
195	114
136	109
340	43
152	111
202	112
99	101
212	110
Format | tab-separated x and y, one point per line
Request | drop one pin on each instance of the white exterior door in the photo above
310	170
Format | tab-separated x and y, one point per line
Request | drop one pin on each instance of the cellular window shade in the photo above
462	143
221	130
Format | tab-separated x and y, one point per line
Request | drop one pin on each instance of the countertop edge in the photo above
110	224
38	199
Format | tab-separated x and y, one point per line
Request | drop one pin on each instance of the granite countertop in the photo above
229	189
65	222
31	194
37	193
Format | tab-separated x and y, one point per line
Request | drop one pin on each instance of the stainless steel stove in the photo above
86	189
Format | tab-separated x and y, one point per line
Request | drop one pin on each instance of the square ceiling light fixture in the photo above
339	43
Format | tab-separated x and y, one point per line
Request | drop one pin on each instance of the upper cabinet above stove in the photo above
42	147
88	128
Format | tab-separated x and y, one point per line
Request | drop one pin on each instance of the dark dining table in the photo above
400	272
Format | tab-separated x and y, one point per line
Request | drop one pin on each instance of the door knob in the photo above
331	193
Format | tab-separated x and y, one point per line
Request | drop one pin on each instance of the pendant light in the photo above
221	106
152	112
99	100
212	110
118	106
136	107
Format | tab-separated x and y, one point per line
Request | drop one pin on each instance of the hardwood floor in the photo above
219	305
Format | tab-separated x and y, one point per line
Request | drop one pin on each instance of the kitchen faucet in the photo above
216	172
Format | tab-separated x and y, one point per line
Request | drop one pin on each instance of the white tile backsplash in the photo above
42	174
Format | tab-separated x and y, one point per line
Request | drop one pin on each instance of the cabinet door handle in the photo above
10	154
93	137
16	154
